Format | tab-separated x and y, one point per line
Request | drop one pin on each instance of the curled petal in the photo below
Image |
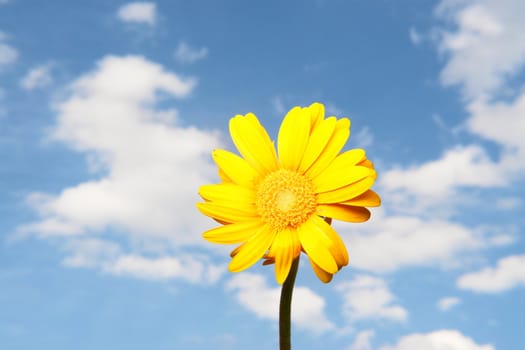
343	212
367	199
338	248
317	245
323	276
348	192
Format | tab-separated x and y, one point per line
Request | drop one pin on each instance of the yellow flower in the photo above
278	206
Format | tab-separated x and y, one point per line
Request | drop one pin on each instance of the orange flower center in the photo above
285	199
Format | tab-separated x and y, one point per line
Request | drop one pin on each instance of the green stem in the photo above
285	308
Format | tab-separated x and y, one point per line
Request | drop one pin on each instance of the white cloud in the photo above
368	297
278	105
508	203
184	53
415	36
166	267
8	54
485	46
363	139
445	339
37	77
458	167
445	304
403	241
485	51
253	293
508	273
3	110
146	167
89	252
501	122
332	109
110	258
362	340
138	12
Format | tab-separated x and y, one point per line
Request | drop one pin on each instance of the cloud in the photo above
362	340
89	252
166	267
402	241
508	203
278	105
485	51
507	274
368	297
8	54
501	122
468	166
253	293
415	36
485	43
3	110
447	303
37	77
184	53
439	340
332	109
138	12
363	139
109	257
145	166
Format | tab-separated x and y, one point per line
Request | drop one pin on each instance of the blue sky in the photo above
109	111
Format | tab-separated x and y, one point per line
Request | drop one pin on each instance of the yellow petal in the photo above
317	245
324	276
293	138
316	111
253	250
342	171
348	192
367	163
227	214
317	142
235	251
285	248
338	248
228	192
332	180
333	147
253	142
367	199
233	233
235	168
223	176
343	212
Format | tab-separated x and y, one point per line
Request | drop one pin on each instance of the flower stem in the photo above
285	308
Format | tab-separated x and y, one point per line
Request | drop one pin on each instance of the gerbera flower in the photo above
277	204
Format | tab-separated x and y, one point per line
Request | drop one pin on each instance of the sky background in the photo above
109	111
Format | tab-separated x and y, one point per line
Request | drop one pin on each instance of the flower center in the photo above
285	199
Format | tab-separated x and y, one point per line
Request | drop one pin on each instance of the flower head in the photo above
277	204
